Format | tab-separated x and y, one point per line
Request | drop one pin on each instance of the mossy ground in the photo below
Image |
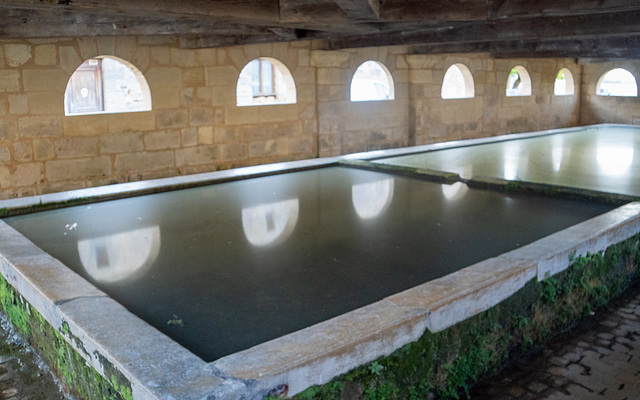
79	378
446	363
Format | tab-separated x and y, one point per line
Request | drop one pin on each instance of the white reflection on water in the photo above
614	159
271	223
373	198
116	257
455	191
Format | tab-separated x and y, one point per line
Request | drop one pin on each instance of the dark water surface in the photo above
226	267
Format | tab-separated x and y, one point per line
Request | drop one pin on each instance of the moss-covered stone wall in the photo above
78	378
446	363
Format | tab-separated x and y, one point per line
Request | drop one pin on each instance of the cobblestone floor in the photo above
597	360
23	375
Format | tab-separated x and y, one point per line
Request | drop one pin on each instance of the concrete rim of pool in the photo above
159	368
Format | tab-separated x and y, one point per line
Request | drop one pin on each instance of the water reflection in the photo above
373	198
557	151
271	223
614	159
455	191
119	256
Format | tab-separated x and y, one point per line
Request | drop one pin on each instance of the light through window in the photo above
518	82
265	81
457	83
617	82
372	82
564	84
106	85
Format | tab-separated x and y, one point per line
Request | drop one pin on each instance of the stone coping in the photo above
158	368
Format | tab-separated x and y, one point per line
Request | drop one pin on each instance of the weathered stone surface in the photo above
121	143
31	127
81	168
9	80
46	55
17	54
146	161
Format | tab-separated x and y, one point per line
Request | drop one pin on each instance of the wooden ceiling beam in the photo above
593	25
48	23
360	10
616	46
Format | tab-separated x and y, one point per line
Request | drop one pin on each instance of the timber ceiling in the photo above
509	28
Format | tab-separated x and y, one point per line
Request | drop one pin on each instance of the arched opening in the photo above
265	81
106	84
372	81
564	84
458	83
617	82
518	82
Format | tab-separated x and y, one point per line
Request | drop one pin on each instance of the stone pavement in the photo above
23	375
597	360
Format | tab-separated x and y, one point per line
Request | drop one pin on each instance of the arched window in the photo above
564	85
106	84
458	83
372	81
265	81
617	82
518	82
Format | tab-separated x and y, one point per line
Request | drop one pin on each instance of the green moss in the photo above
79	378
448	362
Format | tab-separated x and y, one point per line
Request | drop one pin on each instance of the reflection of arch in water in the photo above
116	257
455	191
272	223
371	199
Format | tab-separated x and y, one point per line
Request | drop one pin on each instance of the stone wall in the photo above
195	125
600	109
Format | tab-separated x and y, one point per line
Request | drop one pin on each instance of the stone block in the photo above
206	57
144	161
18	104
222	76
189	137
177	118
137	121
256	132
161	140
17	54
183	58
121	143
164	76
78	169
46	55
201	155
205	135
193	77
69	59
2	63
22	151
8	130
276	113
166	97
45	80
40	103
26	174
125	47
223	96
9	80
242	115
106	45
160	56
234	151
85	125
200	116
334	59
264	148
88	47
333	76
5	154
76	147
42	149
31	127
